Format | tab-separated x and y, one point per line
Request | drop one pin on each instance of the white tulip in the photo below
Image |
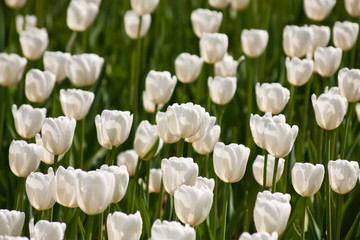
128	158
64	186
352	7
171	230
80	15
163	129
205	21
357	109
258	169
121	177
155	180
27	22
205	182
227	67
206	144
213	47
321	36
44	229
76	103
55	62
298	71
28	120
11	222
219	4
318	10
15	3
297	40
349	84
307	178
271	97
239	4
149	105
188	67
258	236
12	68
327	60
254	42
343	175
207	124
39	85
132	22
34	42
142	7
159	86
222	89
345	34
124	227
147	143
46	156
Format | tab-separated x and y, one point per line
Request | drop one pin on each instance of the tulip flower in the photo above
259	236
213	47
271	212
352	7
128	158
298	71
205	21
142	7
39	189
178	171
192	204
357	109
147	143
80	15
254	42
343	175
327	60
222	89
207	124
307	178
46	156
15	3
113	127
57	134
206	144
12	67
132	22
39	85
24	158
28	120
24	23
76	103
230	161
64	186
121	177
11	222
171	230
44	229
185	120
258	169
297	40
227	67
124	227
159	86
155	180
94	191
349	84
188	67
55	62
163	129
345	34
239	4
321	36
205	182
84	69
34	42
219	4
271	97
318	10
150	106
330	108
5	237
257	127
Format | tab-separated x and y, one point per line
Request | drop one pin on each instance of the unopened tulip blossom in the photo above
132	22
271	97
55	62
171	230
15	3
188	67
307	178
207	124
257	127
44	229
271	212
254	42
178	171
129	158
239	4
155	180
28	120
205	21
46	156
298	71
321	36
24	23
205	182
39	85
345	34
258	169
81	14
222	89
34	42
163	129
219	4
142	7
206	144
12	68
213	47
297	40
349	84
227	67
327	60
11	222
121	177
147	143
258	236
124	227
318	10
352	7
76	103
159	86
343	175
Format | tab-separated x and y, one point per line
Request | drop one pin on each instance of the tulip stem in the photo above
224	210
110	157
252	70
101	226
175	217
90	226
214	217
147	183
2	115
56	158
135	184
305	115
291	104
160	202
348	118
330	137
304	218
138	69
71	42
265	171
339	200
82	136
20	194
273	185
180	148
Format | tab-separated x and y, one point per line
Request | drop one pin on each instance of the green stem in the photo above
2	115
339	200
135	184
328	191
137	72
101	222
224	210
175	217
348	118
265	171
250	90
53	101
82	137
305	115
20	193
110	156
291	104
56	163
273	185
71	42
206	165
214	216
148	163
180	148
304	218
160	202
90	226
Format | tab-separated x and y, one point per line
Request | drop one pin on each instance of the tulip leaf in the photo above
150	154
82	230
354	228
314	227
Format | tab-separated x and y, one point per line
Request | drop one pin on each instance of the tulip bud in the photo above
94	191
188	67
357	109
121	177
171	230
11	222
271	97
34	42
159	86
345	34
318	10
15	3
321	36
185	120
206	144
113	127
239	4
327	60
124	227
39	85
12	67
147	143
307	178
55	62
80	15
132	22
39	189
219	4
352	7
25	23
207	124
227	67
75	103
163	129
142	7
178	171
44	229
205	21
46	156
254	42
64	186
230	161
84	69
271	212
259	236
28	120
192	204
128	158
155	180
222	89
24	158
258	124
330	109
298	71
343	175
349	84
149	106
297	40
213	47
205	182
258	169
